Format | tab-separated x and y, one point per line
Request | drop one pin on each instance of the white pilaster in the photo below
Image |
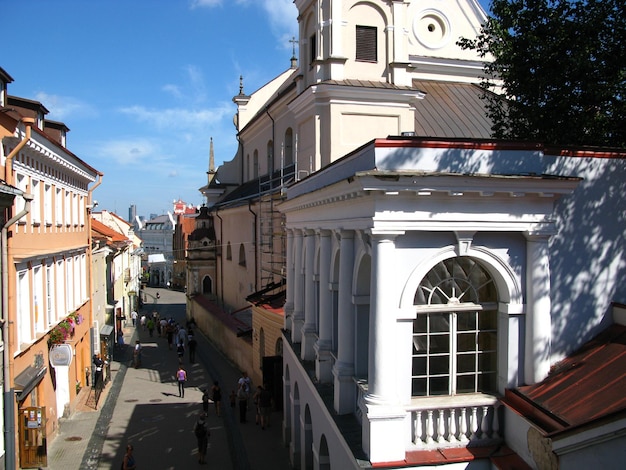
323	346
343	371
384	422
289	274
309	329
298	307
382	353
538	321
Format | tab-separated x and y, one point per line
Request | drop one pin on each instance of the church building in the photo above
433	284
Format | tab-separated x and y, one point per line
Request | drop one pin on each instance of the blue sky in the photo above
144	84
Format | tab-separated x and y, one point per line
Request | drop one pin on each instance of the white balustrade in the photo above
439	422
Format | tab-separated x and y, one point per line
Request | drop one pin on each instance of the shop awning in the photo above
27	380
106	330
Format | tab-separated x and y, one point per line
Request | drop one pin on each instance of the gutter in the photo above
254	243
7	391
221	258
8	166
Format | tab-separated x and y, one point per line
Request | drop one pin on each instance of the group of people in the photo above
262	399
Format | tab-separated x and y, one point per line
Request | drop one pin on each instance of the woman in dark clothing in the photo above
216	391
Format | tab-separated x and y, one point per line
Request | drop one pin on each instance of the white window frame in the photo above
61	309
39	311
23	317
35	205
58	206
69	284
67	208
47	204
450	300
50	305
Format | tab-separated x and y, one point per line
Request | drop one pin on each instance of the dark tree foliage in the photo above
562	65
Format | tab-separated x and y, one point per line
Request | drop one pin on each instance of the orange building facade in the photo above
45	278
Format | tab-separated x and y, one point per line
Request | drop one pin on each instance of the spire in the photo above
241	98
211	172
294	60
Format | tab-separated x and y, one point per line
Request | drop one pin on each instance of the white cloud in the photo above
63	107
283	16
178	118
129	152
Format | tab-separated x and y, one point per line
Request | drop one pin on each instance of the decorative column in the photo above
343	371
384	417
323	346
538	308
383	303
290	277
298	307
309	329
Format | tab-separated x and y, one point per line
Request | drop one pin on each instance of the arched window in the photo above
229	252
248	169
207	285
288	150
242	256
455	332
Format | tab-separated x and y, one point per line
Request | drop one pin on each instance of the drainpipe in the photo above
270	171
256	248
221	258
90	206
8	393
8	166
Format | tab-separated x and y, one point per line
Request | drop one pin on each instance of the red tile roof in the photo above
584	388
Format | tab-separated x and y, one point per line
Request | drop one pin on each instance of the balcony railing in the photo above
455	421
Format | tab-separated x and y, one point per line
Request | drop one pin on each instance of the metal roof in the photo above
585	388
451	109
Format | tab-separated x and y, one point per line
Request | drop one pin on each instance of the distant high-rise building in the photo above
132	213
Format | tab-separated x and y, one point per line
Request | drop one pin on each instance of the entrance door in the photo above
33	447
273	377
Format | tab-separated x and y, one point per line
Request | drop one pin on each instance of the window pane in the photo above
487	341
439	344
466	321
466	342
439	386
488	320
419	387
419	344
420	324
487	362
487	383
419	366
439	322
439	365
466	384
466	363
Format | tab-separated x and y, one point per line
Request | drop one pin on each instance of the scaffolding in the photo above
272	235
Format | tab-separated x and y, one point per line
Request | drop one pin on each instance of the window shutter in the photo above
366	49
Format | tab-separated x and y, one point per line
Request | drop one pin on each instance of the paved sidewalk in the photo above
141	406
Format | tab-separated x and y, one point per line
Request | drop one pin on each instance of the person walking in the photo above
205	401
129	459
181	378
265	405
98	364
191	344
133	317
243	389
216	393
137	354
202	433
180	351
257	406
150	325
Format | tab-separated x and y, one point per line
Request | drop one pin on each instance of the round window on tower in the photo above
431	28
